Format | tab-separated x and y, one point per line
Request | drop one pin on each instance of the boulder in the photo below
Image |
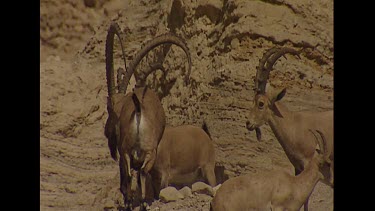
201	187
169	194
185	191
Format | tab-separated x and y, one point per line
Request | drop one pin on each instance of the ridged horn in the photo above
322	142
113	30
162	39
266	64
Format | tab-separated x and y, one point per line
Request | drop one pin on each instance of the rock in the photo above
235	44
53	58
109	204
200	187
216	188
185	191
169	194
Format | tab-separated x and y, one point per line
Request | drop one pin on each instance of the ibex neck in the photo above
286	131
281	126
306	181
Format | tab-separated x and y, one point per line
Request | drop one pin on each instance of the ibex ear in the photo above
278	95
276	110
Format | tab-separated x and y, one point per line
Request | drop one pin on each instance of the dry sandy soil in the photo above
226	40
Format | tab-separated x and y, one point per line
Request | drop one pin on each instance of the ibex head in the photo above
321	157
265	104
263	108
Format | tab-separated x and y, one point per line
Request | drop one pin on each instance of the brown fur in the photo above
292	131
182	151
152	122
290	128
273	190
137	145
136	120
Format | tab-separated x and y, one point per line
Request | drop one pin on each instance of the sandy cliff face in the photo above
226	40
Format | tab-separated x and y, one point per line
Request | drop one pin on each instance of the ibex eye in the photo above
261	104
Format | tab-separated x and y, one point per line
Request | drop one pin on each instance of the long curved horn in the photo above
113	30
162	39
110	131
265	66
322	142
141	80
260	68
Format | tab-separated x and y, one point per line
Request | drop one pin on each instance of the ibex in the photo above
290	128
136	120
273	190
183	153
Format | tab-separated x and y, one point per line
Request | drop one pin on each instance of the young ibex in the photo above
183	153
290	128
274	190
136	120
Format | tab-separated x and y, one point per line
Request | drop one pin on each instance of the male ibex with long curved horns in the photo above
290	128
136	119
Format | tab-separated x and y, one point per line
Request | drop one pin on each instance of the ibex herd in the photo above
136	130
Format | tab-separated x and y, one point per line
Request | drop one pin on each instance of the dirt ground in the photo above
226	40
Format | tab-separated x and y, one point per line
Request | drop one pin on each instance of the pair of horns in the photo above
266	64
322	143
113	30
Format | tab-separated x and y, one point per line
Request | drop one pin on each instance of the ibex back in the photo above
183	153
